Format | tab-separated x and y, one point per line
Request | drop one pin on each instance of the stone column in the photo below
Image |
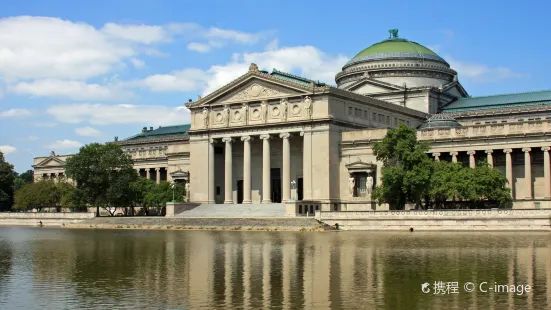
306	165
490	158
157	175
212	190
148	173
436	156
454	156
266	185
286	175
528	171
472	162
228	197
509	169
546	172
138	172
246	169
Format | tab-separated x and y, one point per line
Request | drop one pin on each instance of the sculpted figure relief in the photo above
351	185
205	118
245	110
264	110
227	115
369	184
188	190
308	106
283	104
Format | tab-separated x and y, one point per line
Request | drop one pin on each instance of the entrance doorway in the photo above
275	176
239	191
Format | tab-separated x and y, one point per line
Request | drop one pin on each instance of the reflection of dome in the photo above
439	121
395	48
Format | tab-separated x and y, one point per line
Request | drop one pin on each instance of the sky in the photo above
77	72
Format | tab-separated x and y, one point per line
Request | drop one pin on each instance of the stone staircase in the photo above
235	211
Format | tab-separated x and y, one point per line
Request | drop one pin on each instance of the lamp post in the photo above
294	187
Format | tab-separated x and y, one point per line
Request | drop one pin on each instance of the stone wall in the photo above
47	219
494	219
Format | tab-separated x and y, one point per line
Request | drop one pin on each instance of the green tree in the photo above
22	179
103	174
490	184
43	194
6	184
444	183
152	198
406	168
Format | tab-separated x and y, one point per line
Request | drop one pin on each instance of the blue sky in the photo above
75	72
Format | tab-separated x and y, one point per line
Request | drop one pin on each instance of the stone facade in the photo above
275	137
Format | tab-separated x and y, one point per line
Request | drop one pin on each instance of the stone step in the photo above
236	210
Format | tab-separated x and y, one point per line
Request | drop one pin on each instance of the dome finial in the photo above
393	34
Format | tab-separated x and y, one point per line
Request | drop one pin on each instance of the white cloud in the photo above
63	144
481	73
100	114
233	35
272	45
138	33
88	132
182	80
45	47
75	90
32	138
198	47
137	63
44	124
6	149
306	61
15	113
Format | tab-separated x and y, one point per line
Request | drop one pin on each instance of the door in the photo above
240	191
276	184
299	189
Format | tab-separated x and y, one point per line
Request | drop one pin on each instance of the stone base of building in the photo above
173	208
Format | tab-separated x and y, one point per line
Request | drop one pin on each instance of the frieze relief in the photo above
257	91
412	73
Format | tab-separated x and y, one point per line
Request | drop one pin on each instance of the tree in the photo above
6	184
150	196
103	174
406	168
444	183
43	194
22	179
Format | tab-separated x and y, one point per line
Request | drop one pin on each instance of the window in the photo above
366	114
388	120
350	111
395	121
374	117
358	113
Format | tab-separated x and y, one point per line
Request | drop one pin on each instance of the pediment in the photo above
360	166
51	162
254	89
368	86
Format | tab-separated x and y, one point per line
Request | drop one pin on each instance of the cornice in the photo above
500	111
149	141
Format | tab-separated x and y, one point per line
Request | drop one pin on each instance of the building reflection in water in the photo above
261	270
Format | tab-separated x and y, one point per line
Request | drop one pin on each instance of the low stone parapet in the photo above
493	219
44	219
173	208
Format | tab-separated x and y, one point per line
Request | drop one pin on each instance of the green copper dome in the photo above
395	48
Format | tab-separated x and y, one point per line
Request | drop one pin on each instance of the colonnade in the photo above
157	173
266	180
509	167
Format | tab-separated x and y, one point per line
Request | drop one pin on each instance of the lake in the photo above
46	268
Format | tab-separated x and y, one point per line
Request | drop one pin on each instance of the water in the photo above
43	268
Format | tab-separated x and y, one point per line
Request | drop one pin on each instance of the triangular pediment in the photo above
369	86
253	88
51	162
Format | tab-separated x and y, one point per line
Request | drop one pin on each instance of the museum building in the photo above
272	137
